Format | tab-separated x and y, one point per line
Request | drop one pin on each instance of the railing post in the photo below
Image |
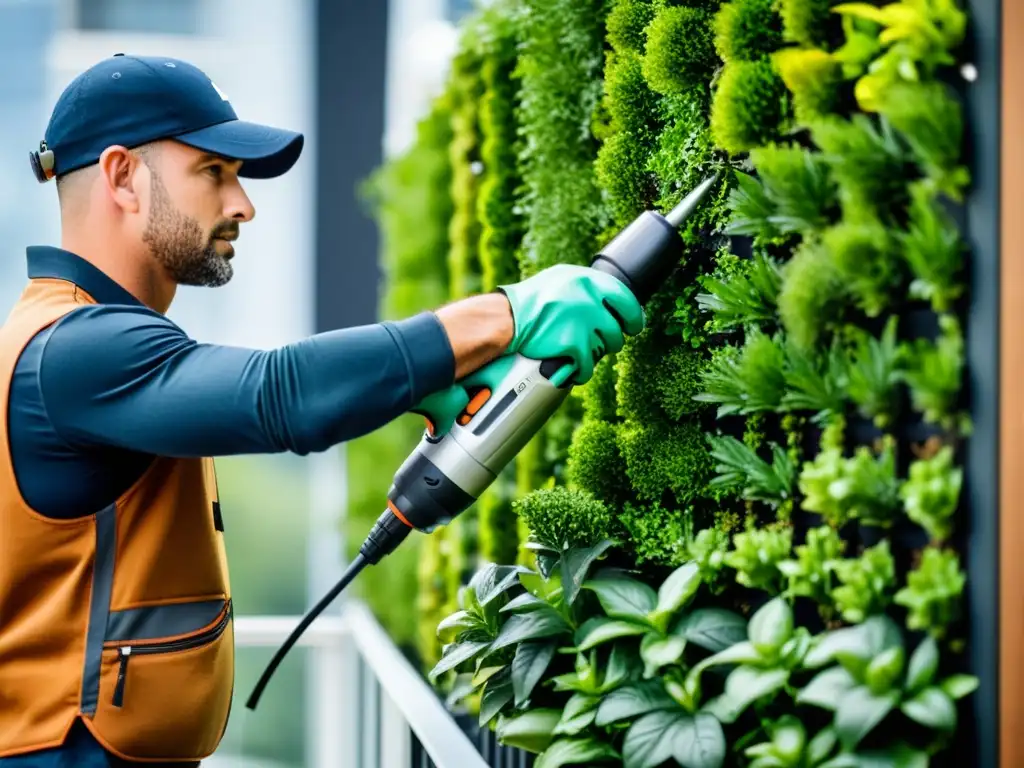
395	736
333	728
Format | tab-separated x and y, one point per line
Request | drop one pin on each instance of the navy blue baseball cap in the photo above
133	100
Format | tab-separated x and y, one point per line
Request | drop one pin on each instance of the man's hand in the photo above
573	312
441	409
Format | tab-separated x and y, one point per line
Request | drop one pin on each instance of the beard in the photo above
179	244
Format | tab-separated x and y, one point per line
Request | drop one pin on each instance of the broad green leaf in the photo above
578	714
603	630
699	742
531	730
789	738
826	688
885	669
523	603
576	565
623	664
575	752
462	687
455	654
528	667
460	620
821	745
623	597
859	711
633	700
491	581
547	563
931	708
546	622
769	761
678	588
713	629
649	741
658	652
741	653
898	756
743	687
497	693
958	686
486	673
923	663
771	626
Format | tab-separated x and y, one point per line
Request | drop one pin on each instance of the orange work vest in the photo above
122	617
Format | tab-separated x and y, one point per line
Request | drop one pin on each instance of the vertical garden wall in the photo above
743	542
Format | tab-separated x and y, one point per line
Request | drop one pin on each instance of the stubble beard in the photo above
179	244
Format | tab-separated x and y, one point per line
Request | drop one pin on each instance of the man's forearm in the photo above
479	329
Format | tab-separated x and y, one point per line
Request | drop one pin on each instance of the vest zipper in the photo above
125	651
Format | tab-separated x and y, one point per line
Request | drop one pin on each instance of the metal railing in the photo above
371	708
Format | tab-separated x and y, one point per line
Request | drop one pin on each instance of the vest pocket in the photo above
167	698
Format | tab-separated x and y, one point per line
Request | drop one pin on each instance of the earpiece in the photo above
42	162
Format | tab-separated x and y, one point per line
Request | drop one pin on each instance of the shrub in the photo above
627	24
813	78
595	464
749	106
564	516
680	49
746	30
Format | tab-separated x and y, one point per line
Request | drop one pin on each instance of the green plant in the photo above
749	106
933	249
867	677
746	30
680	49
564	517
747	297
740	467
933	372
933	592
756	556
595	464
813	77
863	487
866	262
627	22
867	583
810	573
873	373
812	296
805	22
931	493
616	695
748	379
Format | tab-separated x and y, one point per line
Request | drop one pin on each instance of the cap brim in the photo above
265	152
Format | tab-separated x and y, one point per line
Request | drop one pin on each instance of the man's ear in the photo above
119	169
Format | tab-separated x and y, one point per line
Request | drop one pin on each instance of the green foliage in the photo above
865	261
749	106
559	72
748	379
500	221
812	296
656	534
746	30
499	538
931	494
627	23
873	373
809	574
680	49
933	250
665	458
805	21
867	583
863	487
599	394
595	464
747	296
757	555
797	189
467	90
934	371
564	516
933	592
813	77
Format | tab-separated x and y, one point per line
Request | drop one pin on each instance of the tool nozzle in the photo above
688	204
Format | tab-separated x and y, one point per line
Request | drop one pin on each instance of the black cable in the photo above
385	536
351	572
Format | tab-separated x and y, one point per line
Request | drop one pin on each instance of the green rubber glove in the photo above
443	407
573	312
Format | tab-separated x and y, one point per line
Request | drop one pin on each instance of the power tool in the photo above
445	475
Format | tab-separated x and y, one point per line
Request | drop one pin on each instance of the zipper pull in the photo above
125	651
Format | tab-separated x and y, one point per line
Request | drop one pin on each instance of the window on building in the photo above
179	17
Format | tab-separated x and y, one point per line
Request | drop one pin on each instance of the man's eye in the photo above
215	171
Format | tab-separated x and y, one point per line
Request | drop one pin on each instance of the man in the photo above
115	603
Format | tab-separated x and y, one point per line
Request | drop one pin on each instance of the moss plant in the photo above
680	49
666	459
865	258
746	30
595	464
561	57
562	516
749	106
627	23
657	535
805	22
813	294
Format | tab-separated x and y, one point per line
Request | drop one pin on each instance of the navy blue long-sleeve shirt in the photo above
100	392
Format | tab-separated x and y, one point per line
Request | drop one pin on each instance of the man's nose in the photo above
239	207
